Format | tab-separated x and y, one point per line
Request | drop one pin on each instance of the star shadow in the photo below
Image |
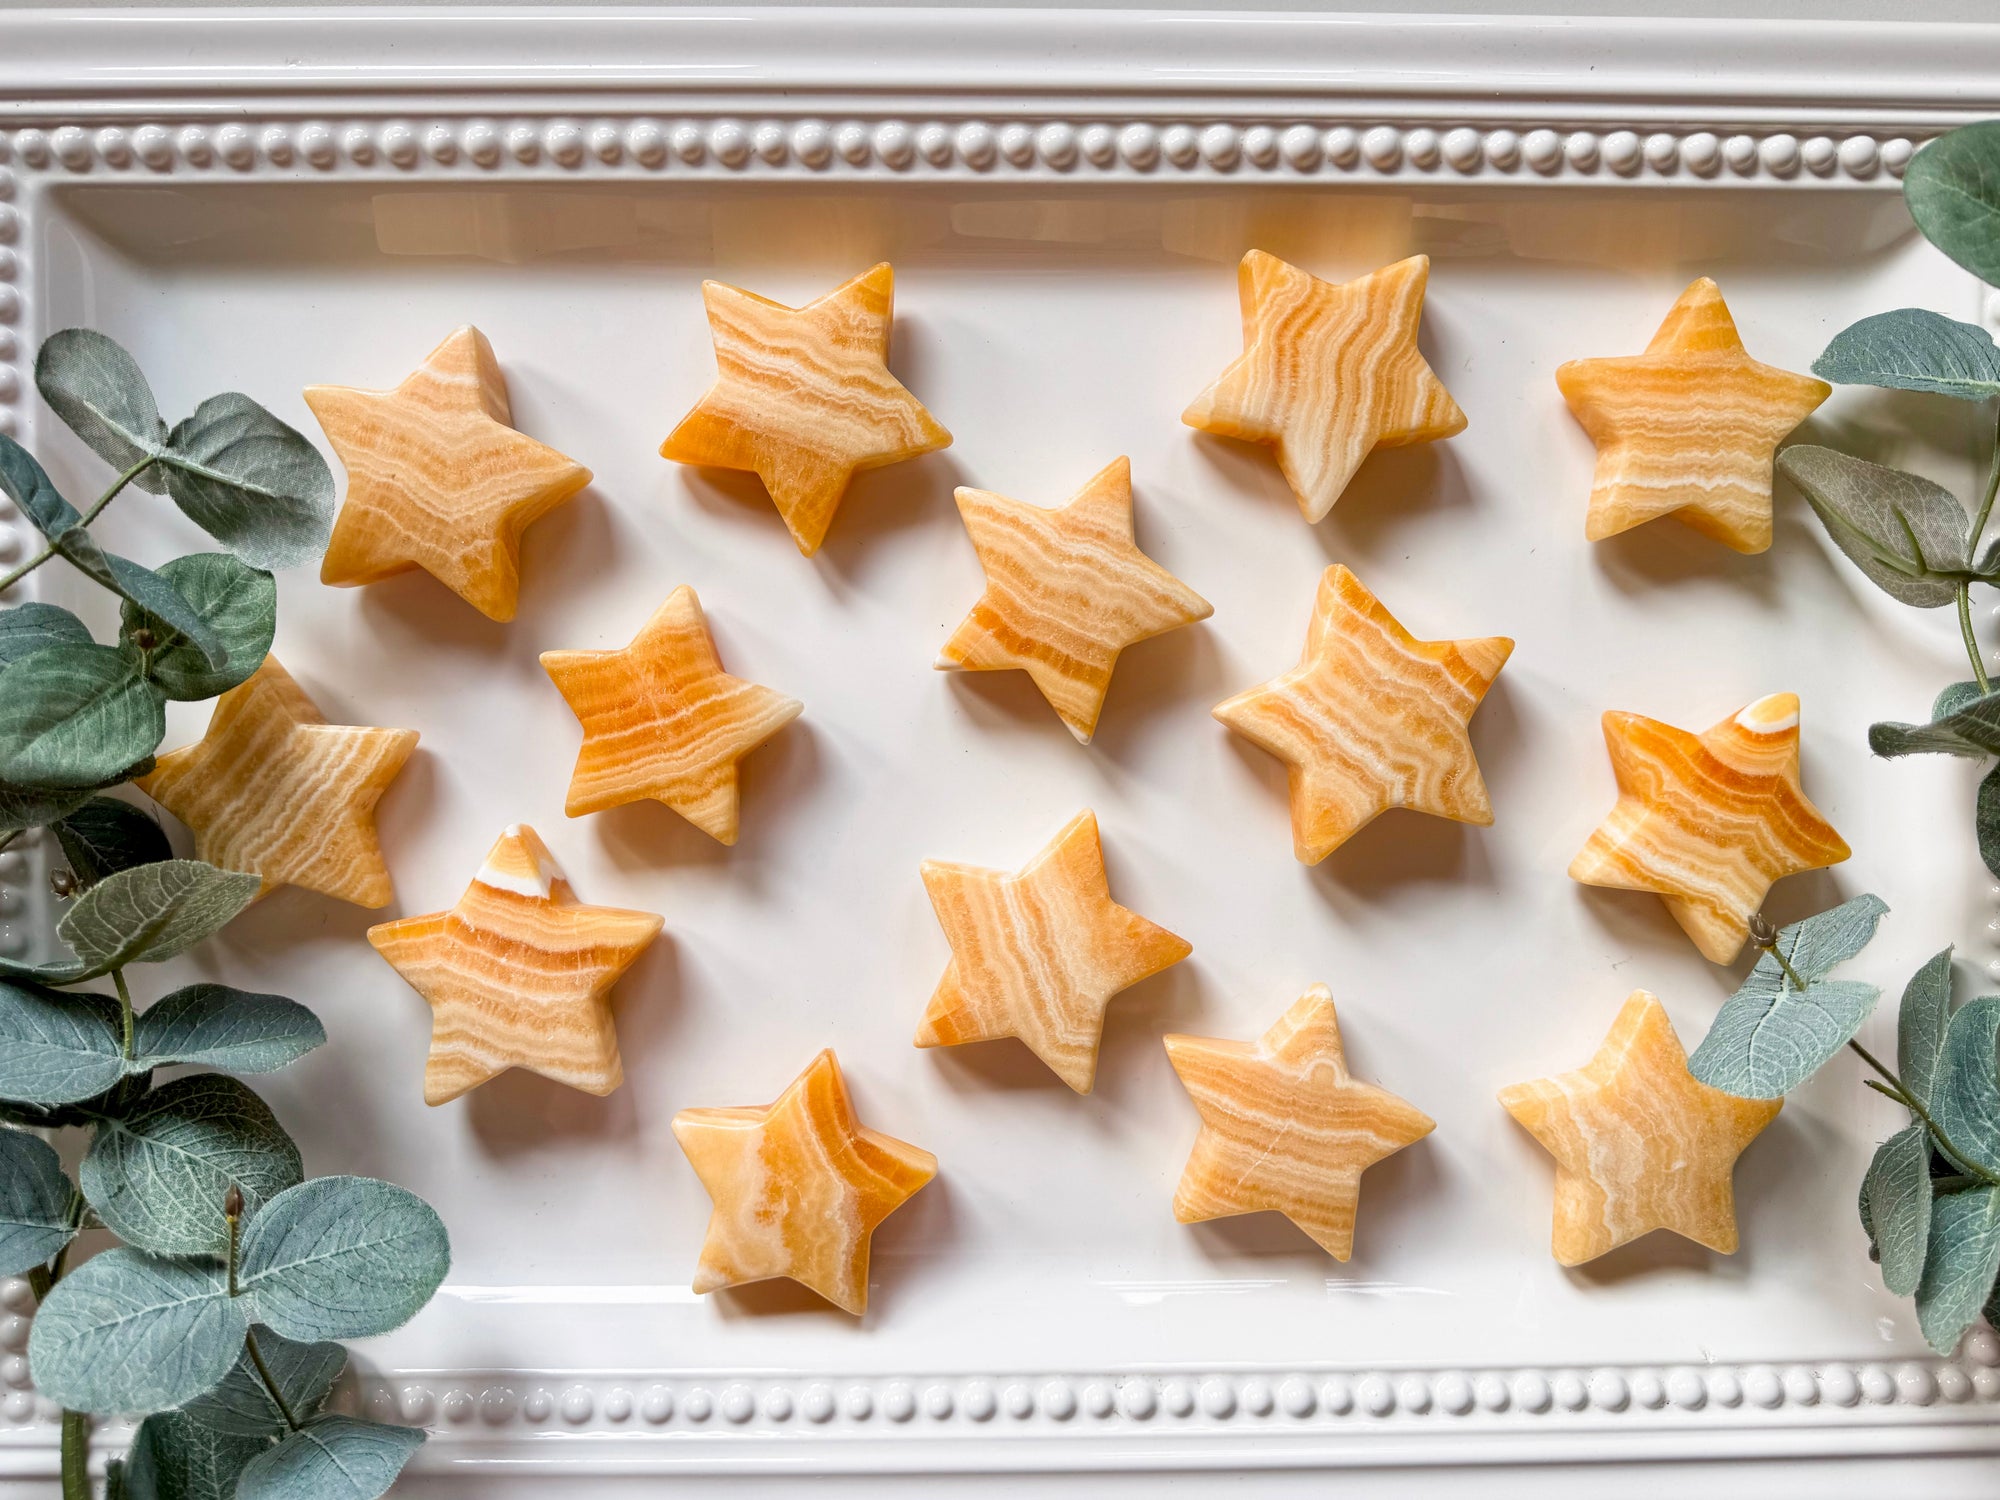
519	1112
1392	486
1666	553
1157	678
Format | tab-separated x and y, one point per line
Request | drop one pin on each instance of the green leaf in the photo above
1966	1105
304	1373
1911	349
1920	1027
174	1458
150	913
219	1027
251	482
1908	535
27	628
35	1200
238	603
1986	820
105	836
143	587
1971	729
1814	946
157	1177
27	484
115	1100
1898	1185
1952	187
1955	696
22	807
75	716
1961	1264
57	1048
100	392
127	1331
343	1257
331	1458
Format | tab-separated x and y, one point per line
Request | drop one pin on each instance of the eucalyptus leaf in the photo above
1952	187
105	836
27	628
1921	1020
1908	535
1961	1263
1972	730
57	1048
35	1203
100	392
1866	1208
175	1458
1912	349
157	1175
1966	1095
75	716
250	481
1815	945
237	602
115	1100
331	1458
152	912
142	587
1986	820
1955	696
24	481
1899	1206
220	1027
22	807
241	1405
343	1257
127	1331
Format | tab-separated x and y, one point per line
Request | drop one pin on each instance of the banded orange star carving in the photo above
1328	374
1708	822
803	398
1640	1144
1371	718
1284	1127
438	479
799	1187
1038	955
275	791
1066	591
1689	428
661	719
518	974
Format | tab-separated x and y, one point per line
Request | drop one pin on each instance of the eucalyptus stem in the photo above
9	579
1971	640
270	1382
1900	1092
1992	489
75	1456
6	839
125	1014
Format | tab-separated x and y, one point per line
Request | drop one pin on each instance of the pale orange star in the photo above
803	398
1038	955
1066	591
661	719
1328	374
275	791
799	1187
1640	1144
1689	428
1371	718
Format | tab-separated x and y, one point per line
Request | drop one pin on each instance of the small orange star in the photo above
1038	955
1284	1127
1708	822
799	1187
1371	718
1689	428
804	399
1328	374
518	974
275	791
438	479
661	719
1066	591
1640	1144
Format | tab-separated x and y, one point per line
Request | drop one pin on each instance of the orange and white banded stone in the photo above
1708	822
1371	718
275	791
518	974
803	398
1640	1144
1328	374
1284	1128
438	479
799	1187
1689	428
1038	955
661	719
1066	591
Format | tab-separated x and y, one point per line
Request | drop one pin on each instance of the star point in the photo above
438	478
1640	1144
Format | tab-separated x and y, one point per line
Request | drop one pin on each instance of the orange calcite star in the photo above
438	479
1066	591
1328	373
803	398
1709	821
1640	1144
275	791
1688	428
1038	955
1371	718
661	719
518	974
799	1187
1284	1128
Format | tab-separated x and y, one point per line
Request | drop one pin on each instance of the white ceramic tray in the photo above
255	203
